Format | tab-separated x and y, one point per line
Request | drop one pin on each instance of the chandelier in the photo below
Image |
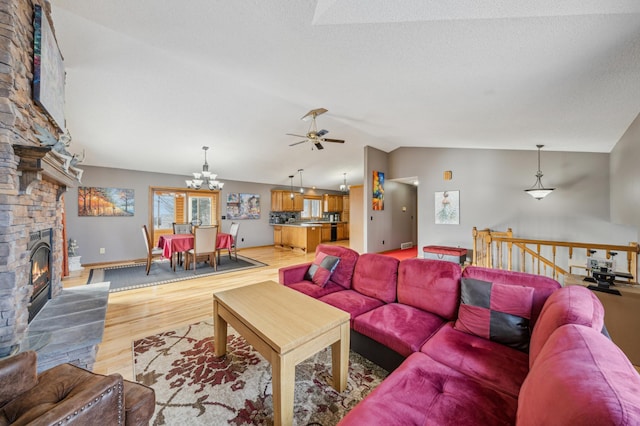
538	191
204	179
344	187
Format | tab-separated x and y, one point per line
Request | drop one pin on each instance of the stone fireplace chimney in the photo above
32	179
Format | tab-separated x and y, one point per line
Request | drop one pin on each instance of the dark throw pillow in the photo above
321	269
496	312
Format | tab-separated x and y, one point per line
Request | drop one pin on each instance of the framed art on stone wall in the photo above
48	70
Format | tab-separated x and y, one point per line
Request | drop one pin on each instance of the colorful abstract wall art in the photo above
378	191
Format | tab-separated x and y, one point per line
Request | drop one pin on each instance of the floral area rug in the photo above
193	387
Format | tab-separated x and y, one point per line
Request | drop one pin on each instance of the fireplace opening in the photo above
40	274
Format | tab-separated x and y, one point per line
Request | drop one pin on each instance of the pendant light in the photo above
538	191
291	187
301	188
344	187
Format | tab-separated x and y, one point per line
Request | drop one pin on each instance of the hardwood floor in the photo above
134	314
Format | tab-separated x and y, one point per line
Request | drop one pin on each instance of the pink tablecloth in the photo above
174	243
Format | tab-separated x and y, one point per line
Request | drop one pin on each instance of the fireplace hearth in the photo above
39	247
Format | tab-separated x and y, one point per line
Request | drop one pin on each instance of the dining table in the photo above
179	243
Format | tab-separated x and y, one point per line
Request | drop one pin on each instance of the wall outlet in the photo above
102	250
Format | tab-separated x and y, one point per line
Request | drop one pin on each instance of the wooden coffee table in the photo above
286	327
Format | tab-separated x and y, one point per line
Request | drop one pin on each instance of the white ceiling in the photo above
149	82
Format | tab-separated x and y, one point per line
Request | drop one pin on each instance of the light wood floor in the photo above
134	314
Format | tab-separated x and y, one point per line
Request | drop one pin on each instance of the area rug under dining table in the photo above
129	277
193	387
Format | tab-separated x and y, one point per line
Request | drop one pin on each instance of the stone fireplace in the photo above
32	182
40	278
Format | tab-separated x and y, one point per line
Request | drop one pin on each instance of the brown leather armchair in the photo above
67	394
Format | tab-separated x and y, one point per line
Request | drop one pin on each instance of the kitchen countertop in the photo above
305	224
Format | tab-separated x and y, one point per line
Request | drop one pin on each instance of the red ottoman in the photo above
450	254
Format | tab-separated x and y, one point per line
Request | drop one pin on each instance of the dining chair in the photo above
152	252
233	231
181	228
204	243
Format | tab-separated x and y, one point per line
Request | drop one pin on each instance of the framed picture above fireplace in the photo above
48	70
94	201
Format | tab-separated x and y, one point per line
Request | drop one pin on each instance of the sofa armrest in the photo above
293	274
69	394
18	374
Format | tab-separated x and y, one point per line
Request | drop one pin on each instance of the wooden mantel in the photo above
41	163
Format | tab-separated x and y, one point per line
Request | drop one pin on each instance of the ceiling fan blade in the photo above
314	113
319	145
293	134
297	143
322	132
332	140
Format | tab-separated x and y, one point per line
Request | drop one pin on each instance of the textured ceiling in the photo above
150	82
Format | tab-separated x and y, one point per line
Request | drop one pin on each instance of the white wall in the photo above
625	178
492	183
121	237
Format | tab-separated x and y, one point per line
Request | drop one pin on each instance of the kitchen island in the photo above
297	236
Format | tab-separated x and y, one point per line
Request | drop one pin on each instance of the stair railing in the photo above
495	249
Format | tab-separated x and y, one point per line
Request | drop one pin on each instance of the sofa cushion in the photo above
580	377
430	285
497	366
376	275
399	327
496	312
543	286
568	305
351	301
343	274
310	289
321	269
423	391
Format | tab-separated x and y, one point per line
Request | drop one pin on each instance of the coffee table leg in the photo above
283	385
219	332
340	359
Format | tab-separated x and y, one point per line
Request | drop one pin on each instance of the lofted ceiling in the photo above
151	82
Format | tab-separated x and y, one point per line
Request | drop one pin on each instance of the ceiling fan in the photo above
314	135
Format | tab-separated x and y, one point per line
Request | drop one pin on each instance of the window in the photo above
312	208
178	205
200	212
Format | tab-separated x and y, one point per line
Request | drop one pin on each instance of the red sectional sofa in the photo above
475	347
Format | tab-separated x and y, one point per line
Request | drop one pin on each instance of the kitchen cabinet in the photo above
281	201
332	203
326	232
305	238
340	234
277	235
345	204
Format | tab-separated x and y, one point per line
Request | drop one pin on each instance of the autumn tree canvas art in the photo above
94	201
